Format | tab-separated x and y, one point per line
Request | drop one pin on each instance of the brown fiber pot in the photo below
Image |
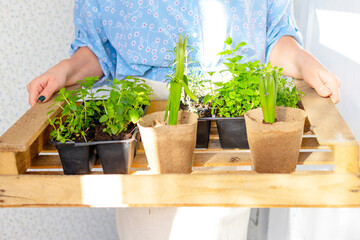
169	149
275	147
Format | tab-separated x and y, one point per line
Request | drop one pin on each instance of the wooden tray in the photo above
31	174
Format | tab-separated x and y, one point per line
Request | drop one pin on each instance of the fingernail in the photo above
41	98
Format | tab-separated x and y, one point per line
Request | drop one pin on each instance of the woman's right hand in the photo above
43	87
84	63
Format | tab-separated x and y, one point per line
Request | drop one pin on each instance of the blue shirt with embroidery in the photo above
134	38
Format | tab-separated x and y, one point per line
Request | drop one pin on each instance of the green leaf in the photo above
228	41
114	129
73	106
207	98
188	92
103	118
239	45
134	115
218	84
225	52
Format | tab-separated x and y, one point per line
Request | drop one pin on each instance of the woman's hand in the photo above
84	63
318	77
300	64
43	87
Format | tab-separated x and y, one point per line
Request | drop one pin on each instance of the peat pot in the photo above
275	147
169	149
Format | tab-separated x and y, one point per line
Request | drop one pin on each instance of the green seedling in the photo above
241	93
268	94
75	119
124	105
178	82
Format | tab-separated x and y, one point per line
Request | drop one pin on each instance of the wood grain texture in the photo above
26	130
331	129
326	121
201	159
249	190
346	158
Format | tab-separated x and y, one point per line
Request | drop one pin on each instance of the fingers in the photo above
51	87
42	88
326	85
333	84
316	83
34	88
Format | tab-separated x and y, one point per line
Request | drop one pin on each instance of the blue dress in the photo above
134	37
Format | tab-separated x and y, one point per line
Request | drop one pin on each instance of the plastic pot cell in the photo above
117	156
76	159
232	132
203	133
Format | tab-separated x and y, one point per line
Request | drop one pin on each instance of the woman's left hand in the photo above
318	77
300	64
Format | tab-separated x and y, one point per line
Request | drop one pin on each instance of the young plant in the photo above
75	120
177	83
268	94
124	105
241	93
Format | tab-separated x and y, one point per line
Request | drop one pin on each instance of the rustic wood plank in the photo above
345	158
22	160
214	146
326	121
249	190
220	159
331	129
8	163
26	130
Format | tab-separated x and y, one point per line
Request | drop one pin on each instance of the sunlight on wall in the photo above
340	32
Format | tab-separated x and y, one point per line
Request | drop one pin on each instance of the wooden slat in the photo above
346	157
326	121
219	159
331	129
26	130
249	190
214	146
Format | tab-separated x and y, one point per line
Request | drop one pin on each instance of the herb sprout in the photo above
241	93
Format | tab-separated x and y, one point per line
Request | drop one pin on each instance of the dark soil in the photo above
269	123
202	110
103	136
90	133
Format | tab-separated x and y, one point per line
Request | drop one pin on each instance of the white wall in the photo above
331	30
34	35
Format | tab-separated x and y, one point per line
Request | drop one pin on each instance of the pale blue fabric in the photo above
135	37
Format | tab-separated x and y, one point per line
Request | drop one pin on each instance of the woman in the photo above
121	38
118	38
